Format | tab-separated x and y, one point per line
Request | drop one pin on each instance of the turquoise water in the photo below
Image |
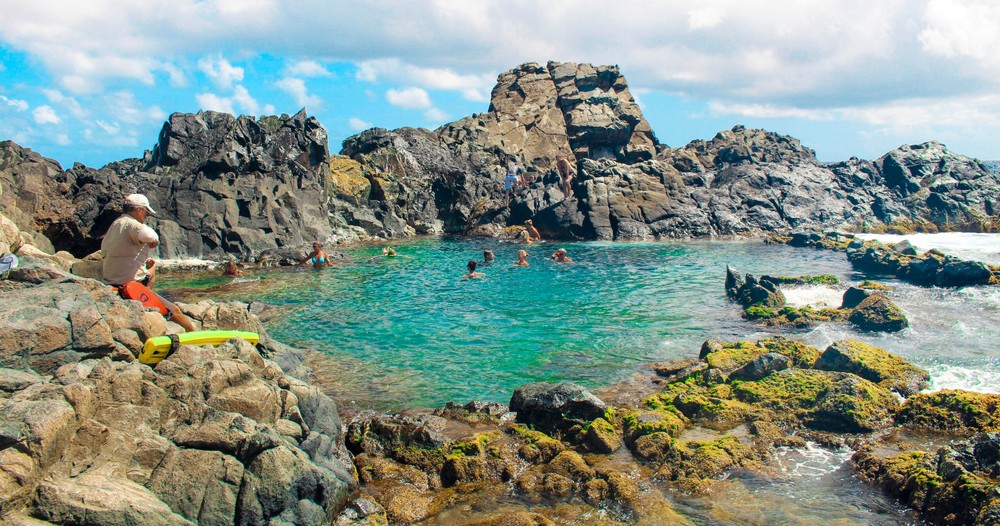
409	332
413	333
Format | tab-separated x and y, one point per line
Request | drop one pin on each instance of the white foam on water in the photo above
185	264
817	296
980	380
812	461
964	245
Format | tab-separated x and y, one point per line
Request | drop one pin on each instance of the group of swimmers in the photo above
559	256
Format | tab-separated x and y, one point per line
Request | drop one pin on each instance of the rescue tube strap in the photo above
175	342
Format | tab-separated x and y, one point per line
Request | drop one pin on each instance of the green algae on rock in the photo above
873	364
953	410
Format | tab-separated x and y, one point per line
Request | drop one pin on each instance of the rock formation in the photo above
88	435
262	188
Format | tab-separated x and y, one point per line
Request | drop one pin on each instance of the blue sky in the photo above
94	81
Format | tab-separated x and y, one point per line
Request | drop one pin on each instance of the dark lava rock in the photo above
551	406
854	296
760	367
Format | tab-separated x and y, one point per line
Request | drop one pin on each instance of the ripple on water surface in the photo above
408	331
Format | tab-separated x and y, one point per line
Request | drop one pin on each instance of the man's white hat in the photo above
139	201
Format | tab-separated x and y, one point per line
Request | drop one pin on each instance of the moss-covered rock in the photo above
874	364
800	354
654	446
638	423
731	356
828	401
536	447
714	411
955	410
878	313
705	459
874	285
602	437
853	405
821	279
957	485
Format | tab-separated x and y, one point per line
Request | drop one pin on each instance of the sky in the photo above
94	81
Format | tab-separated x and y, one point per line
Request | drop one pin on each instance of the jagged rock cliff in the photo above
268	187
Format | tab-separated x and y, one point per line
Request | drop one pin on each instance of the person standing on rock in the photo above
566	173
126	249
510	183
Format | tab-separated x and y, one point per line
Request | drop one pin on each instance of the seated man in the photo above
126	247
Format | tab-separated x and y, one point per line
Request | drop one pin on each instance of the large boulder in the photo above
555	406
874	364
878	313
116	442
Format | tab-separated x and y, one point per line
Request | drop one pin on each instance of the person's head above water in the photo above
471	265
488	255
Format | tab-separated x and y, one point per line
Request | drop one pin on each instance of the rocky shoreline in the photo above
237	435
91	436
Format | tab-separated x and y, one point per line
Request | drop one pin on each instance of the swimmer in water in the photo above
472	271
318	258
522	258
560	256
231	269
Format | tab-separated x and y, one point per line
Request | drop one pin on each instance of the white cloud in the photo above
472	87
704	18
220	71
411	98
69	103
110	128
17	104
435	115
46	115
297	89
62	139
240	102
213	102
957	28
307	68
899	115
357	124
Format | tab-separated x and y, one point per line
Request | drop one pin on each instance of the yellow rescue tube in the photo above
159	347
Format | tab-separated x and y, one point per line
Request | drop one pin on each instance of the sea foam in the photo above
811	461
981	380
817	296
964	245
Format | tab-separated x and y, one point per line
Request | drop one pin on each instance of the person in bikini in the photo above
318	258
126	253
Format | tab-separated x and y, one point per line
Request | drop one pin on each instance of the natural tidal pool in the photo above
409	332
